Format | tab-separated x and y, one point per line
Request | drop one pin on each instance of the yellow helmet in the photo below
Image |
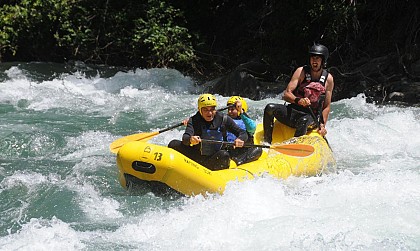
233	100
206	99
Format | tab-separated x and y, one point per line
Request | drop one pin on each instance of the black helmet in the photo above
319	49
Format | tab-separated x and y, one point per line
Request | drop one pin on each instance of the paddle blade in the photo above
117	144
298	150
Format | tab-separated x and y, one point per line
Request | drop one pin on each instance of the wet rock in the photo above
252	80
382	80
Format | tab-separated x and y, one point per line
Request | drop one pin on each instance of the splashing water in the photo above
59	186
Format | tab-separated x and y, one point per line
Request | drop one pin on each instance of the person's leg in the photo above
302	124
179	147
253	154
247	155
175	144
187	151
294	116
270	111
218	161
238	155
287	115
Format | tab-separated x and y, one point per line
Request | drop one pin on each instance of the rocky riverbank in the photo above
383	80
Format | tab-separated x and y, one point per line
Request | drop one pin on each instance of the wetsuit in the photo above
211	156
294	115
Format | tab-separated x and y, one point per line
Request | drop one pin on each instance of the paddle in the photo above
317	124
117	144
298	150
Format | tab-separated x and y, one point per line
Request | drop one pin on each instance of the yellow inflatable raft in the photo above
153	165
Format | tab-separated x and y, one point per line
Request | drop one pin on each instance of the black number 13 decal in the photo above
158	156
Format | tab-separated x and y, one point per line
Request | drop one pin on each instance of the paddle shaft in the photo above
317	124
297	150
117	144
180	124
210	141
171	127
314	117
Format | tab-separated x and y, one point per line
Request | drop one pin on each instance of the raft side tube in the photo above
151	162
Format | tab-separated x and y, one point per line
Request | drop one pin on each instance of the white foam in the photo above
39	234
370	203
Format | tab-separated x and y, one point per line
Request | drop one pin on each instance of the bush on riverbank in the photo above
208	37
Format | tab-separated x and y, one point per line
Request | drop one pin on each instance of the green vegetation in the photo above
205	36
161	33
103	32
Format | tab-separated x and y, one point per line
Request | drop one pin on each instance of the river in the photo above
59	188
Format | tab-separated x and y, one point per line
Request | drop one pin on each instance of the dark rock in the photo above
382	80
415	68
252	80
403	92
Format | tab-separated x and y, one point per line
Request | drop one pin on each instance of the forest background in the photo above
208	38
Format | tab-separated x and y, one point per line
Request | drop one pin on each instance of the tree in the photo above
161	31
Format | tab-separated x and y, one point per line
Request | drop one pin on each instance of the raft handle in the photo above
143	167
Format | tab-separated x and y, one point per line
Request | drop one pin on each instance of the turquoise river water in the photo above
59	188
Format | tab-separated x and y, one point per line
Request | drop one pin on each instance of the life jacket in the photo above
312	88
230	137
218	134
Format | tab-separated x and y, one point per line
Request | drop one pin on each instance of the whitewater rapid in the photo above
59	186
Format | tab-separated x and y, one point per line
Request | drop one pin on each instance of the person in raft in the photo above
309	93
208	124
238	112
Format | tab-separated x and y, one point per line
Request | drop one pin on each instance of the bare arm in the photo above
329	86
297	77
288	93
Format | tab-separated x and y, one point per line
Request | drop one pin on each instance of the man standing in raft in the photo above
208	124
310	89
